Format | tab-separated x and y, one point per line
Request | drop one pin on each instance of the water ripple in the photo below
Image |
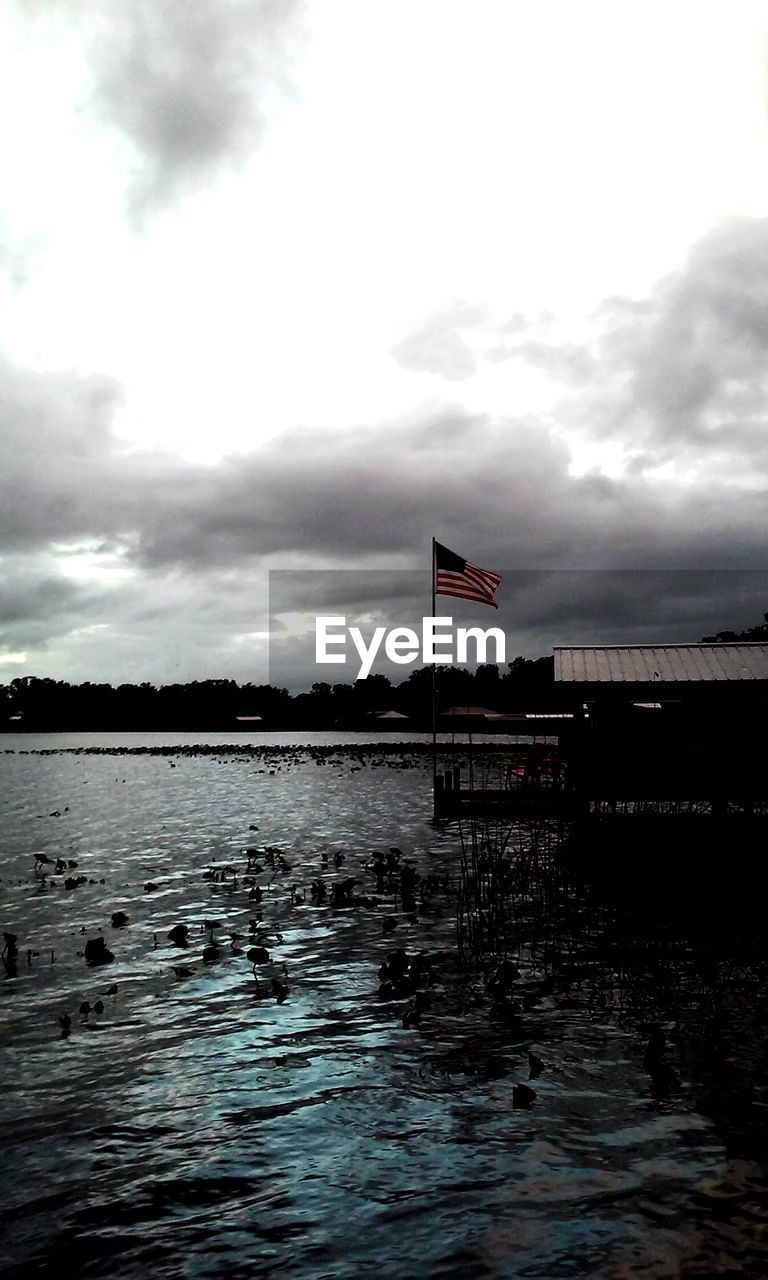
195	1126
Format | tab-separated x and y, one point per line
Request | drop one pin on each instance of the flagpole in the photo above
434	700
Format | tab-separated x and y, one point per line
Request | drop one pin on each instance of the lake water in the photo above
197	1126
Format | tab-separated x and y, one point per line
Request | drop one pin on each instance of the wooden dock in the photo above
642	805
453	798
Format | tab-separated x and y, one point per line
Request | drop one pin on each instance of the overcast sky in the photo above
297	284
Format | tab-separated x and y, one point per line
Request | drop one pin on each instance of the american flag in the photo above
455	576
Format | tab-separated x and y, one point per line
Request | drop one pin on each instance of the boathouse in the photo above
670	725
641	729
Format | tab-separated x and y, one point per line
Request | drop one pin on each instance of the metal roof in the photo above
661	663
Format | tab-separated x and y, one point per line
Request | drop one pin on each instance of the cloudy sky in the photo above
297	284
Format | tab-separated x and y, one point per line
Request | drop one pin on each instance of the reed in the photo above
515	889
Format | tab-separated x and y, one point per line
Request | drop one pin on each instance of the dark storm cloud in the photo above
694	360
681	373
607	605
373	491
606	600
685	372
188	85
344	497
500	488
62	473
38	604
351	591
678	374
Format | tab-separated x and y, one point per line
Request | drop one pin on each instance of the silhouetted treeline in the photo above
29	703
756	634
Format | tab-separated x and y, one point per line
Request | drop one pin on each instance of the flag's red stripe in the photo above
491	580
470	595
466	577
466	587
484	573
467	593
444	575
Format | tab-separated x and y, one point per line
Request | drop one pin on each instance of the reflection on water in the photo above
195	1126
